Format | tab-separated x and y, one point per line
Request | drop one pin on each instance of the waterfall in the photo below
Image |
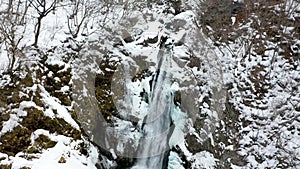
157	123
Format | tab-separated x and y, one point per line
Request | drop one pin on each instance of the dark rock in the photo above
193	145
125	163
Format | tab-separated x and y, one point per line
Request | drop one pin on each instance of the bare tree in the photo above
43	8
81	10
12	28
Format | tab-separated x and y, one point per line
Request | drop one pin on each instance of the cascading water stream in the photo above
157	123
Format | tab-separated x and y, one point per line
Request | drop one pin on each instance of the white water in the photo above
157	124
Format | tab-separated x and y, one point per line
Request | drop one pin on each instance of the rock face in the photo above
37	114
209	79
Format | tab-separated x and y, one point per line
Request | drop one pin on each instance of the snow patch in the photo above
203	159
174	161
54	104
65	148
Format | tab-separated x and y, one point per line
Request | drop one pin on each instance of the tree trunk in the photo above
37	31
9	8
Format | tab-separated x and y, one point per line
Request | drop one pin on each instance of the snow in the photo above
174	161
54	104
65	89
233	19
10	124
4	80
187	15
179	120
3	59
66	147
203	159
27	104
113	153
49	112
15	118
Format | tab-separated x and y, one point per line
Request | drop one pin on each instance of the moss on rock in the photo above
25	167
45	142
19	138
62	160
42	142
5	166
3	117
103	88
16	91
15	141
37	120
63	97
